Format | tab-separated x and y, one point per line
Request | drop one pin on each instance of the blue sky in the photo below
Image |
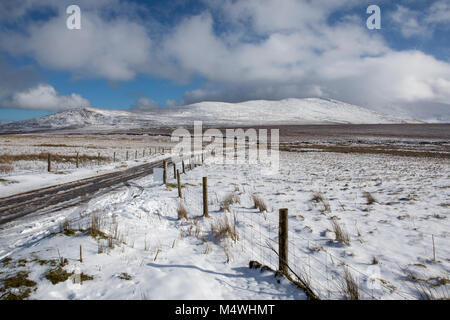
151	54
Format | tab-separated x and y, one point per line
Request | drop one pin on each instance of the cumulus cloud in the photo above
305	57
254	49
421	23
408	22
45	97
115	49
144	103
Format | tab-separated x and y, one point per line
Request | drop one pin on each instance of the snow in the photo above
169	258
32	180
258	112
26	174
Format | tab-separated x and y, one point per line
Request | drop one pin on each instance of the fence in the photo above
77	160
308	261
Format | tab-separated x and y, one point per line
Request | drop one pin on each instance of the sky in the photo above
142	55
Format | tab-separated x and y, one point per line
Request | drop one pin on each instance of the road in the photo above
68	194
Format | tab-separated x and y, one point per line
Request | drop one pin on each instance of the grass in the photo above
182	212
21	283
341	235
390	150
369	198
125	276
431	288
94	229
349	286
66	229
259	203
7	159
318	198
222	229
6	168
229	199
57	275
6	261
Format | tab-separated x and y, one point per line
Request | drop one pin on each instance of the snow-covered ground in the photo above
151	254
21	170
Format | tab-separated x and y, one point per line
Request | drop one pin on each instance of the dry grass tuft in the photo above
182	212
221	229
341	235
318	198
259	203
369	198
66	229
229	199
349	286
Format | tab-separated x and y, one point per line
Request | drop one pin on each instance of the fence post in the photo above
174	170
205	197
81	254
182	163
49	162
78	160
98	159
114	157
165	172
127	155
179	184
283	241
135	155
143	153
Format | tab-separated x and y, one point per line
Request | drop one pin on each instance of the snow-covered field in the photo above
146	252
23	158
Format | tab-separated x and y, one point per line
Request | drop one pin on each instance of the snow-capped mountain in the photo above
256	112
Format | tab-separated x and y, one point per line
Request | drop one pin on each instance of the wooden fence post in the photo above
182	163
98	159
81	254
174	170
135	155
179	184
49	162
127	155
78	160
205	197
143	153
114	157
283	241
165	172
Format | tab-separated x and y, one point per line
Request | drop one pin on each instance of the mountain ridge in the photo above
254	112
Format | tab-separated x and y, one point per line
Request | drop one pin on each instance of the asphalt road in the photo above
68	194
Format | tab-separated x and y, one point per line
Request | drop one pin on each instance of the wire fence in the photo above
323	271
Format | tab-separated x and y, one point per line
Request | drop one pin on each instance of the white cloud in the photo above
144	103
45	97
439	12
409	22
415	23
268	50
115	50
